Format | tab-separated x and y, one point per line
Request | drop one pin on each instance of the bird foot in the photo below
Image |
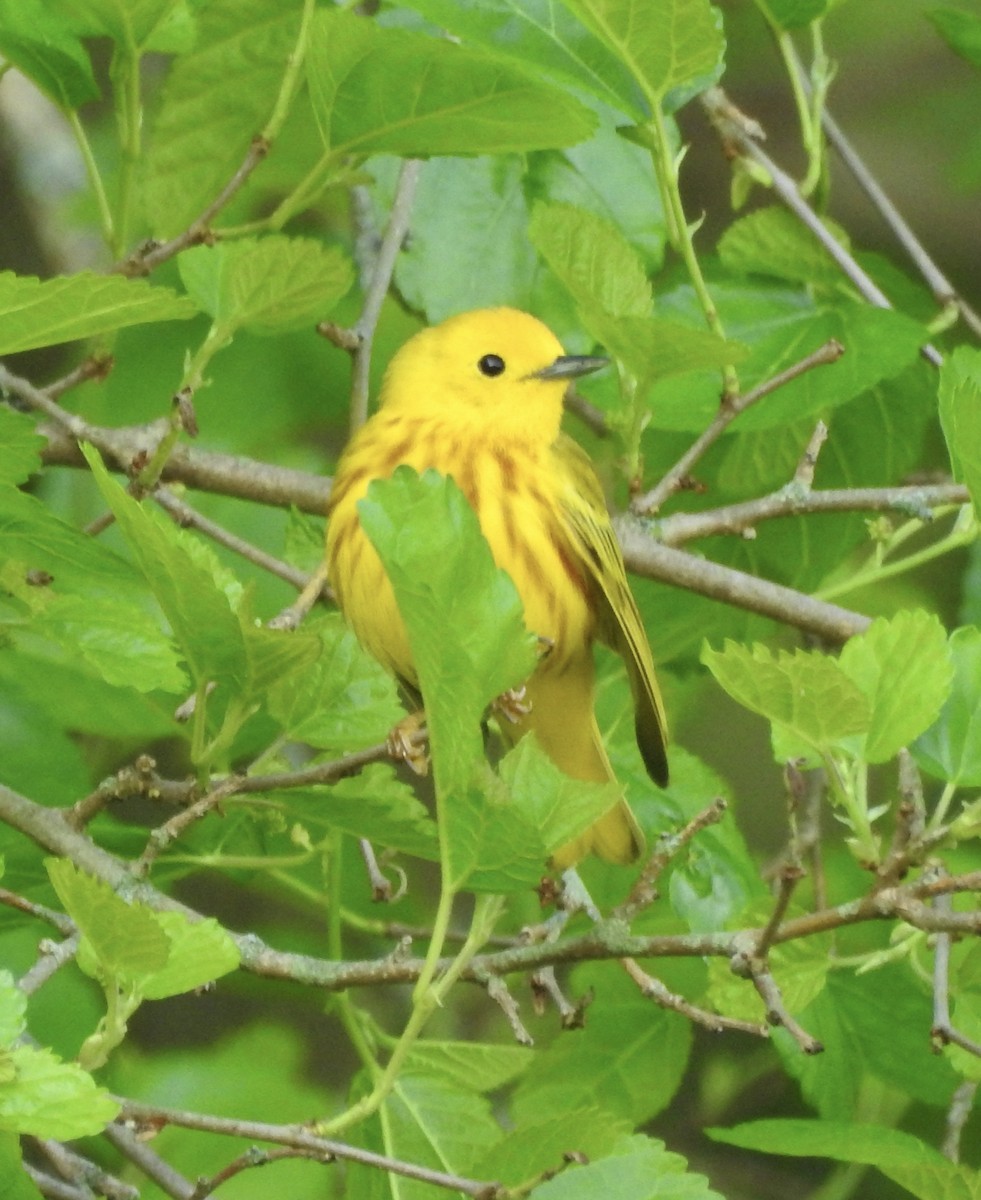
406	743
513	705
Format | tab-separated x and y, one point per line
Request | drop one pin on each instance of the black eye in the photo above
491	364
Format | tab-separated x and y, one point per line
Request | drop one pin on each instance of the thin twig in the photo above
961	1106
171	830
654	989
758	972
63	924
498	991
82	1172
254	1157
139	778
943	290
382	891
804	474
381	278
187	517
544	986
669	846
788	879
943	1031
729	410
918	502
172	1182
741	134
53	956
298	1137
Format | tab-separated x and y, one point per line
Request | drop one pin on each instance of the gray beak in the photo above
570	366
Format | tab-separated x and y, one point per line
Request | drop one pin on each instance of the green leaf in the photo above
558	807
656	348
913	1164
639	1168
666	44
473	1065
772	241
593	260
602	1066
266	285
951	748
20	447
137	25
960	416
543	35
375	805
215	100
808	694
902	666
39	43
794	14
344	700
960	30
208	632
15	1183
781	327
126	939
48	1098
200	952
464	622
471	212
37	313
391	91
542	1145
118	639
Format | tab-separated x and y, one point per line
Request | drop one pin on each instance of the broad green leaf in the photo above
13	1010
464	622
558	807
902	666
960	30
48	1098
782	326
127	940
200	952
794	14
614	179
391	91
15	1183
117	639
607	1064
344	700
666	44
473	1065
375	805
849	1142
438	1124
275	656
656	348
216	99
20	447
639	1168
544	36
40	758
960	416
38	42
593	260
807	693
266	285
36	312
137	25
542	1145
471	212
208	632
951	748
772	241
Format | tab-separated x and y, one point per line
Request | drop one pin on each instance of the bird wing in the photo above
590	532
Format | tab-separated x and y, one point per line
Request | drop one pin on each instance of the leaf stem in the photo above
94	177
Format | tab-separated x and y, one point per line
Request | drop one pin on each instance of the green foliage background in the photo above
553	179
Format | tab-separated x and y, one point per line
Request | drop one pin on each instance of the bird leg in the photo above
406	743
513	705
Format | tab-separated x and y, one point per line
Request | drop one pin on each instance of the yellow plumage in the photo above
479	398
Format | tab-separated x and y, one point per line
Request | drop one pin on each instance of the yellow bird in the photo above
479	398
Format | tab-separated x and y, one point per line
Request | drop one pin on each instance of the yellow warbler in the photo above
479	398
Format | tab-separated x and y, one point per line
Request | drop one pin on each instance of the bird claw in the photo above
513	705
406	742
